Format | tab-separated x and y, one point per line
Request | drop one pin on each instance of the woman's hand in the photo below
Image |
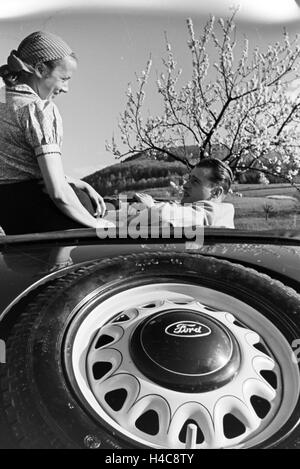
96	199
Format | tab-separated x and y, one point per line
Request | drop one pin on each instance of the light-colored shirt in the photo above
202	213
29	127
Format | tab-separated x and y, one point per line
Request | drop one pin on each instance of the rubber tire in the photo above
42	403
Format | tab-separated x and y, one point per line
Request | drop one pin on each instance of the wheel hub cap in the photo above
185	351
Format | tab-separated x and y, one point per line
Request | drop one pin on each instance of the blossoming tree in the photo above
240	101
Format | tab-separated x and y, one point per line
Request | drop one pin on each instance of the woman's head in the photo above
44	61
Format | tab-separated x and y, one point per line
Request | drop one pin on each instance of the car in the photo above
150	342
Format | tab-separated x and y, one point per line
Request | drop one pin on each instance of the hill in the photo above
138	172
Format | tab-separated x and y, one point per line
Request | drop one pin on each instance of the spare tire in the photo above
156	350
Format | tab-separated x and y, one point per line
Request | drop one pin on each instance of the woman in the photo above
35	193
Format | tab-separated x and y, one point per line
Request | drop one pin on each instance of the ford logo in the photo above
187	329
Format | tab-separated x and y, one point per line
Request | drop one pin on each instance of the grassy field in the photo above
276	222
254	210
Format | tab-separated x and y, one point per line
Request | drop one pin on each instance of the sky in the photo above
113	40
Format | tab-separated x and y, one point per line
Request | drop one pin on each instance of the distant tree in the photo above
237	106
268	209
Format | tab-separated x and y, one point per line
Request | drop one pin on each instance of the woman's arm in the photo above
61	193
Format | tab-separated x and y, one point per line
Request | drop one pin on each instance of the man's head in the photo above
209	180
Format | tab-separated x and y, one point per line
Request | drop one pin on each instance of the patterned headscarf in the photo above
39	46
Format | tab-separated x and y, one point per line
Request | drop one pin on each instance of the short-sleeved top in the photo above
29	127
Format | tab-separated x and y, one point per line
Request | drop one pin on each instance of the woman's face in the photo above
52	82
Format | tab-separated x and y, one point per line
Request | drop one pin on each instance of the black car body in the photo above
33	266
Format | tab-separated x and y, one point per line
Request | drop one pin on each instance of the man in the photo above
202	200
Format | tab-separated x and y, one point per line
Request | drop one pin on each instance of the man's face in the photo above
199	186
57	81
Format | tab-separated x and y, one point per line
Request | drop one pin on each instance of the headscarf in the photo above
39	46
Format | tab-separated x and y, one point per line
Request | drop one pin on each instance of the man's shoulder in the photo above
214	206
216	213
